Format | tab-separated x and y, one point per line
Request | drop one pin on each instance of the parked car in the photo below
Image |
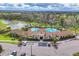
77	37
49	44
14	53
23	54
24	43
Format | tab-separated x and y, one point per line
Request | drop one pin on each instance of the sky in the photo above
55	5
39	1
40	7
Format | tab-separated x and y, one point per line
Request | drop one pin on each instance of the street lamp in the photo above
31	49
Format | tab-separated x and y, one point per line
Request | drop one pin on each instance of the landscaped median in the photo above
9	41
76	54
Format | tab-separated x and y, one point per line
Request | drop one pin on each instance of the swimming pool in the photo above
46	29
35	29
51	30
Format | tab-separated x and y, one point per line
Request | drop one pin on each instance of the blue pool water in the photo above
35	29
46	29
51	30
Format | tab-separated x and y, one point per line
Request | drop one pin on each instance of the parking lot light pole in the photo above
31	49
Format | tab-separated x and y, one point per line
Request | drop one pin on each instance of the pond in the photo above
6	21
15	24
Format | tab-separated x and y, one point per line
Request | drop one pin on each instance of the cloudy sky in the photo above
40	6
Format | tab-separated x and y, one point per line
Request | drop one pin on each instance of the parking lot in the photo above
65	48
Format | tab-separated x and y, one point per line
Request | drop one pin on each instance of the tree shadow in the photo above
55	46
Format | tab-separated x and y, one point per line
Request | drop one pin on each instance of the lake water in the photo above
15	24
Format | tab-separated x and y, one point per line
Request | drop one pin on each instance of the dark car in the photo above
14	53
23	54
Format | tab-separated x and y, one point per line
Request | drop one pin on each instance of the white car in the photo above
77	37
10	55
24	43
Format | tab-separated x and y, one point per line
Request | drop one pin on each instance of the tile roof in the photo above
31	33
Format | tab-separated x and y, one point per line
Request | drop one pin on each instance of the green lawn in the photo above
4	37
7	39
2	25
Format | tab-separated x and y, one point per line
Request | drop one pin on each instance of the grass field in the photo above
9	41
2	25
5	38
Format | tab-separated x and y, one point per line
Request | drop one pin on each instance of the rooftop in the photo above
41	33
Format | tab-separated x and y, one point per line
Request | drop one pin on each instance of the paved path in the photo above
65	48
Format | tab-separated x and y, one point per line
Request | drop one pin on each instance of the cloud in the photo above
49	7
26	6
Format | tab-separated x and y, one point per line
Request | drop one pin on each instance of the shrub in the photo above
1	49
25	28
76	54
29	37
67	37
19	40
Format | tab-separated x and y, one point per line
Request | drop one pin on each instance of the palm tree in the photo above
75	25
54	40
62	19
